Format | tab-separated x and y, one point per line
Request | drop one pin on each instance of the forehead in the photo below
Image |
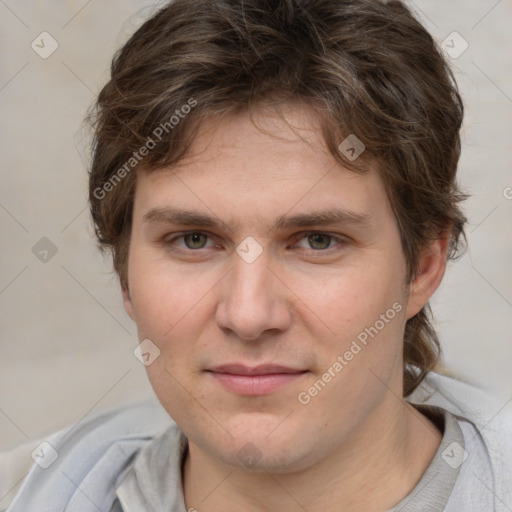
259	163
280	138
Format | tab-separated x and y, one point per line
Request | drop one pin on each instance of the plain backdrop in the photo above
67	344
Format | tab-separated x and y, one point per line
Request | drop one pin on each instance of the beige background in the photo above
66	346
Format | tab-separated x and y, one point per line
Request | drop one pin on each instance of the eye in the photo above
320	241
192	241
195	240
313	241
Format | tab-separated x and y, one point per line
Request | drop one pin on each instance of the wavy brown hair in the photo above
366	67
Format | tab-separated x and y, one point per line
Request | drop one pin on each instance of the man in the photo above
276	181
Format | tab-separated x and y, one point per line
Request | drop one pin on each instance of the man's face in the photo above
280	308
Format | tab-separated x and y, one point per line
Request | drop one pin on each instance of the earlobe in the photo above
127	300
431	270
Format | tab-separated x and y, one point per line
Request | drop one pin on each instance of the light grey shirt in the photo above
129	460
154	482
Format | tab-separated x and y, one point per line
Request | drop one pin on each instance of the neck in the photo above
372	471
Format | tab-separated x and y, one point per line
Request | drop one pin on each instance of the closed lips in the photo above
236	369
255	381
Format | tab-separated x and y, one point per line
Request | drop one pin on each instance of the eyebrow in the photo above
317	218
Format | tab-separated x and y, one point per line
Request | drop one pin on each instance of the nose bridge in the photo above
251	302
250	281
249	286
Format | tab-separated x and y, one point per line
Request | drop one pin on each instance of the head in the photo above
249	113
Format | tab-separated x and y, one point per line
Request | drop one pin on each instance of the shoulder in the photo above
85	460
486	424
489	413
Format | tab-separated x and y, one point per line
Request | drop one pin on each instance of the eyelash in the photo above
341	241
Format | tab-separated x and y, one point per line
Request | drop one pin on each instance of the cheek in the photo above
364	314
351	299
164	296
361	313
172	308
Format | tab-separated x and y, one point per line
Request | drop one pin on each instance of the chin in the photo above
263	445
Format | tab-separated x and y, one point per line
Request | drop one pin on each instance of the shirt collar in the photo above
154	482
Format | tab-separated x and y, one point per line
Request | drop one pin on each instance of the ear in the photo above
127	300
431	270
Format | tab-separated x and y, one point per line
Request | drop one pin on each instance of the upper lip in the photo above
262	369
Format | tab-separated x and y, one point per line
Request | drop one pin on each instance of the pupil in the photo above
319	240
195	240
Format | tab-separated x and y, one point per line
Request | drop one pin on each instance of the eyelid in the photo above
181	235
341	239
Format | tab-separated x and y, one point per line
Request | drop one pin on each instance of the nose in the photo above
254	303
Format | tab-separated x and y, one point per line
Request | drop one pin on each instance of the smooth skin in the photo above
357	445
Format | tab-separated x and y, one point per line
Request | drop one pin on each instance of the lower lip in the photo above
255	384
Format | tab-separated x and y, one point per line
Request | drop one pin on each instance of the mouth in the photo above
256	381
